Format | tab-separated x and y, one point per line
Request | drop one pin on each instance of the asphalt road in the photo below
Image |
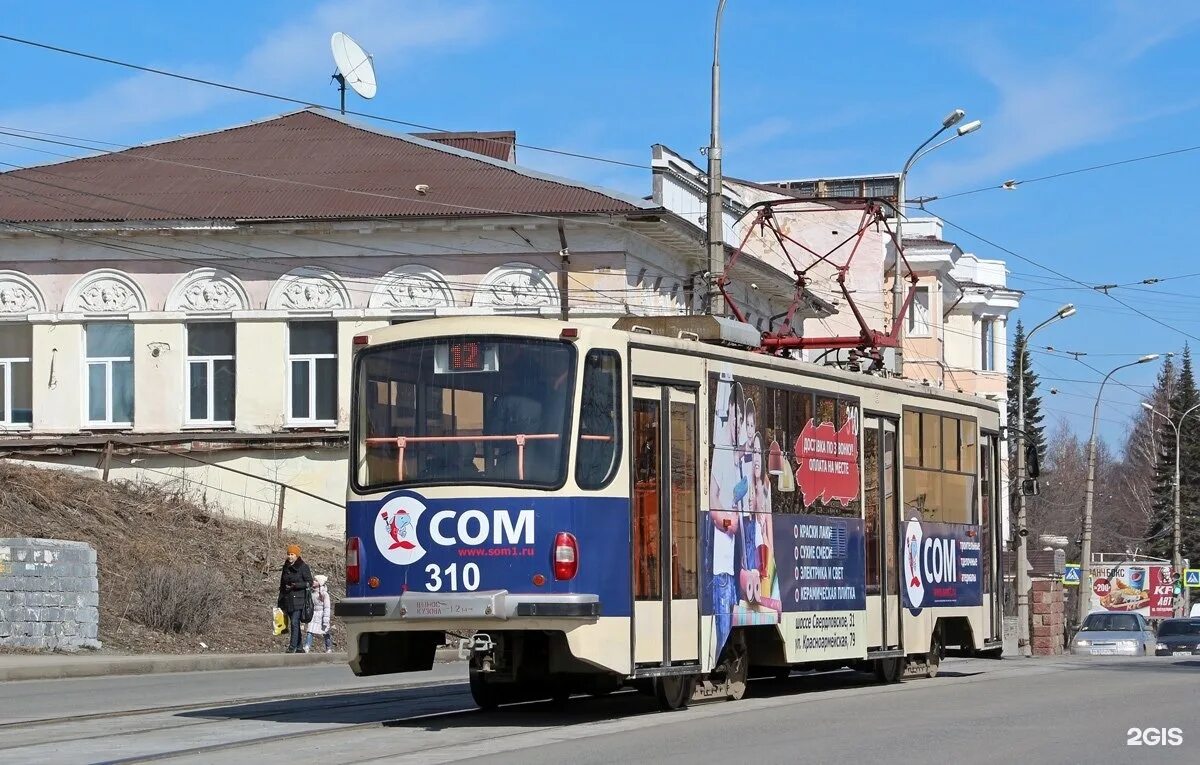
978	711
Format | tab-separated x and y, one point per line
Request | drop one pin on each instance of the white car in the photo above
1106	633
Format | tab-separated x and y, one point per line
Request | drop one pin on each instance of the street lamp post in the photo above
952	119
1022	579
1085	552
716	218
1176	553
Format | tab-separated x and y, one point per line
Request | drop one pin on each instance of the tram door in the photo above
882	521
666	606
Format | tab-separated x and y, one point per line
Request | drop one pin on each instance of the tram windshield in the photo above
466	410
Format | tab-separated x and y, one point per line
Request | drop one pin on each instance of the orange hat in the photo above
293	550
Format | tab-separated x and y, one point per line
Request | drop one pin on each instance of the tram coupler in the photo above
482	651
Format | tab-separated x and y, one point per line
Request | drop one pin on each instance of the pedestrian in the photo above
322	610
295	595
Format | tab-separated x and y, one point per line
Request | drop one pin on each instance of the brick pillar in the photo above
1046	616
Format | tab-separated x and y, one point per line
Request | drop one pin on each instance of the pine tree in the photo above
1159	533
1186	398
1034	429
1182	398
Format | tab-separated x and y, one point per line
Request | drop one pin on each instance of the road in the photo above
1044	711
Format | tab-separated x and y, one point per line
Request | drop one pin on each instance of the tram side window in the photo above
987	487
599	412
939	474
824	479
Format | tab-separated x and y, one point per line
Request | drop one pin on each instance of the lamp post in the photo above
1176	554
1022	580
716	218
1085	551
951	119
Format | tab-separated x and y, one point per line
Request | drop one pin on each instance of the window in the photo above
918	313
939	467
16	376
599	413
109	349
210	352
312	371
469	410
987	358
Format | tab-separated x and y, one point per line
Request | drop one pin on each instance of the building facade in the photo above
183	312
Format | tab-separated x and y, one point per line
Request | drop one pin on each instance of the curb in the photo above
43	667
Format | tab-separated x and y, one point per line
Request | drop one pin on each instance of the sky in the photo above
809	89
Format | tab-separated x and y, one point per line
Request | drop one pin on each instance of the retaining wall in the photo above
49	594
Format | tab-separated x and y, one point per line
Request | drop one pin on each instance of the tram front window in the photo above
470	410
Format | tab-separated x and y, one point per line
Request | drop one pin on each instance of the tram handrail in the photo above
401	443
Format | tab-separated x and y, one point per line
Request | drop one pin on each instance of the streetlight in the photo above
1085	552
1022	582
716	217
1176	555
951	119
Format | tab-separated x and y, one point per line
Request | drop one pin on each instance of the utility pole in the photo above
716	218
1022	578
1085	552
951	119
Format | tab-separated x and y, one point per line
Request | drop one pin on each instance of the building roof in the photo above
303	165
497	144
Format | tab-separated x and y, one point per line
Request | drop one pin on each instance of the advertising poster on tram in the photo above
784	542
940	563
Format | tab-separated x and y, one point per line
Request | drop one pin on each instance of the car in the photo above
1106	633
1178	637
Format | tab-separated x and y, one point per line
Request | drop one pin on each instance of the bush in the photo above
183	600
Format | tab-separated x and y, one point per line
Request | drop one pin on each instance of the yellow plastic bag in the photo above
280	619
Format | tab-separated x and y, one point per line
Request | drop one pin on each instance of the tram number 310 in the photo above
470	576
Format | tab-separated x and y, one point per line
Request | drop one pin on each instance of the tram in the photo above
651	502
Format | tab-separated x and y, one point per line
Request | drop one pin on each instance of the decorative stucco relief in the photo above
308	289
18	295
412	288
208	289
516	285
105	291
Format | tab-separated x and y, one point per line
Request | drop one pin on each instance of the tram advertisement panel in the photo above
941	565
783	541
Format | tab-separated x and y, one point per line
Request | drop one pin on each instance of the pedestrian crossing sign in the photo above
1191	577
1071	574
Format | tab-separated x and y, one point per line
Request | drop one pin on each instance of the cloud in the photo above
287	61
1063	101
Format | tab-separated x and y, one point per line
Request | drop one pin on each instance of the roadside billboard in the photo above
1144	588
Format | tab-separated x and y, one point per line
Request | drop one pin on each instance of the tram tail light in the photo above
353	570
566	556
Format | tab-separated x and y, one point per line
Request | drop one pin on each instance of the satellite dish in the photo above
354	67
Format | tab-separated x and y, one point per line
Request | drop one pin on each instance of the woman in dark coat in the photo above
295	589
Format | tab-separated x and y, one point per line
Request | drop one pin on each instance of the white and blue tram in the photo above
652	503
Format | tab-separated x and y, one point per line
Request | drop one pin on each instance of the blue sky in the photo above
810	89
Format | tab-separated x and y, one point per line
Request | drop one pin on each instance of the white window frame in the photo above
311	360
987	345
107	363
187	380
923	328
6	409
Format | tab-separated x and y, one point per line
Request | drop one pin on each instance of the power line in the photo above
1017	255
1012	184
296	101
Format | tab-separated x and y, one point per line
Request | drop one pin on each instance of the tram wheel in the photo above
933	660
737	670
673	692
487	695
889	670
